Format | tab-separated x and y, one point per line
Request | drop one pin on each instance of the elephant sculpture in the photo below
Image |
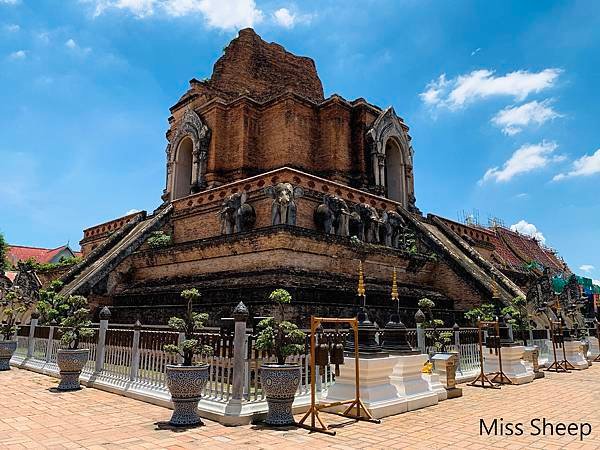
236	215
366	222
283	208
332	216
393	224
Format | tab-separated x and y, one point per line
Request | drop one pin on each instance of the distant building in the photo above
16	253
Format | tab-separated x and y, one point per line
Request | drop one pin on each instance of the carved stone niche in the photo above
179	164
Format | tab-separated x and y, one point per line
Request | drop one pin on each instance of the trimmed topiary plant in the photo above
439	339
12	307
72	314
280	381
187	380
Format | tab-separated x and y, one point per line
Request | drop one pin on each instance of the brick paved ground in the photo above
34	417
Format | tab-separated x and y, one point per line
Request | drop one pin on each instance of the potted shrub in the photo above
187	380
280	380
12	306
72	315
439	339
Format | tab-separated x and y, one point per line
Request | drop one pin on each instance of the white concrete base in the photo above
575	356
435	385
414	391
377	393
512	365
594	350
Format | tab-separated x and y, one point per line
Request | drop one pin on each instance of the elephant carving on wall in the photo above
393	224
236	215
365	223
333	216
283	208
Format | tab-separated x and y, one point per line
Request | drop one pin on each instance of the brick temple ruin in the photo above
270	184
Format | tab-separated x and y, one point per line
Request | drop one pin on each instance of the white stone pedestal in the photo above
512	365
574	355
413	390
594	350
435	385
377	392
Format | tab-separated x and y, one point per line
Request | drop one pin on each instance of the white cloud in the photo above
284	17
596	282
512	119
74	46
477	50
9	2
481	84
132	211
528	229
222	14
525	159
585	166
19	54
586	267
12	28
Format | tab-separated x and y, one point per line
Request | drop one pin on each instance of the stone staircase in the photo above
454	249
81	278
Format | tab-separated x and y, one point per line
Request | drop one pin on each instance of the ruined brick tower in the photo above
270	184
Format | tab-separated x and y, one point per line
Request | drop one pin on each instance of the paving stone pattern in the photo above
33	416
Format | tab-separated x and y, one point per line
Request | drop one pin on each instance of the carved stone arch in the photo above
190	127
387	132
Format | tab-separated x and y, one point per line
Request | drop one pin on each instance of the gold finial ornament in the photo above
361	282
394	286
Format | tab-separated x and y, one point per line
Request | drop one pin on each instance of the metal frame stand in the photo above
362	413
482	379
562	365
597	358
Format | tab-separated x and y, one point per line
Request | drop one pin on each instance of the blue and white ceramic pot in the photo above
70	363
280	383
186	384
7	349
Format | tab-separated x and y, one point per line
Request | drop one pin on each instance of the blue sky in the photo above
502	99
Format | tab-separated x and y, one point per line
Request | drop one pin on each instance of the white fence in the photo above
131	361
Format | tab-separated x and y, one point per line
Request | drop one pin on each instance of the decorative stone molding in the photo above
389	126
191	126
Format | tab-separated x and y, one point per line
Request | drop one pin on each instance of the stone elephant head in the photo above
236	215
332	215
393	224
283	208
369	222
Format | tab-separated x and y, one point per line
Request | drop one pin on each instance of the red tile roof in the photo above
17	253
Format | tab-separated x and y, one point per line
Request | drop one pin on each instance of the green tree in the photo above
70	311
517	310
4	265
278	336
486	312
189	325
440	339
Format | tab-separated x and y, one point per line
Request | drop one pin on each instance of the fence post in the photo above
240	315
101	345
31	341
531	335
50	341
419	319
180	339
135	351
456	330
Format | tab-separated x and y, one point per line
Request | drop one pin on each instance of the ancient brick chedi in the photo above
269	184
